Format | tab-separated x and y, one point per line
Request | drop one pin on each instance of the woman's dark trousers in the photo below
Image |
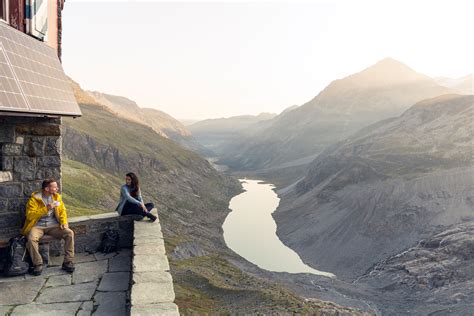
131	208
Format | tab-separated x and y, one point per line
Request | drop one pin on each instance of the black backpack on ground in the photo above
110	241
16	263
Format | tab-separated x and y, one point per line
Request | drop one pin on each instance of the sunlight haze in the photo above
218	59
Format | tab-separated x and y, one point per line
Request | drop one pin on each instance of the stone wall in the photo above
30	151
89	230
152	291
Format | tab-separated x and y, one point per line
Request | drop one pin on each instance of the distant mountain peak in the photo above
389	61
387	71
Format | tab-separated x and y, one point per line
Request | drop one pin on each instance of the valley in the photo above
192	199
373	183
386	205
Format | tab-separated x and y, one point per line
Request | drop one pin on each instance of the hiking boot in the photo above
151	217
68	267
37	270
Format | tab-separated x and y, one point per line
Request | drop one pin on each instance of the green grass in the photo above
87	190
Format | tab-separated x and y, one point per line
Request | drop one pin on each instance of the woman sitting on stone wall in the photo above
131	201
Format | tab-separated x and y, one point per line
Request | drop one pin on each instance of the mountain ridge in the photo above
161	122
384	188
336	112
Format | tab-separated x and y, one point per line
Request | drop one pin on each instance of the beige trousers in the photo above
37	232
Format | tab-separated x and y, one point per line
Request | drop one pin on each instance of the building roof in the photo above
32	81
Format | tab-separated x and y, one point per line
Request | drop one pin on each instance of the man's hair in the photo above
47	182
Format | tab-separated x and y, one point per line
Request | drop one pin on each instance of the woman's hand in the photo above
144	208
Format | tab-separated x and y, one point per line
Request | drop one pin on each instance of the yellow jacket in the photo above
35	209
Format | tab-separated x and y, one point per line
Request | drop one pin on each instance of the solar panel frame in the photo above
32	68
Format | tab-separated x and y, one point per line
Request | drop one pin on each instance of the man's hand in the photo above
63	226
144	208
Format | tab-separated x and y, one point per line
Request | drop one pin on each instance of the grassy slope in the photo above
88	190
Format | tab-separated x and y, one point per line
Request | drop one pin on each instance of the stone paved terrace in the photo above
99	285
130	282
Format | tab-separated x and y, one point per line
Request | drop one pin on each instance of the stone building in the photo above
34	95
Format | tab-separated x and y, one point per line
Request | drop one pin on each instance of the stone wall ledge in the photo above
152	291
90	229
88	232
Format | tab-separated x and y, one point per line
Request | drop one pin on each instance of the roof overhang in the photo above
32	80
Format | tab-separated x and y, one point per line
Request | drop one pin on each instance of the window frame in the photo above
5	4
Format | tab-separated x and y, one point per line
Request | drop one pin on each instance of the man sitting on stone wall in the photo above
46	214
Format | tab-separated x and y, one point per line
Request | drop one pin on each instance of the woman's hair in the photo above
135	185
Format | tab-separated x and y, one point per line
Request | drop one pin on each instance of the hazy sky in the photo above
215	59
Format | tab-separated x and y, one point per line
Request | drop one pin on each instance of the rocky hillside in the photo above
192	200
215	134
162	123
346	105
383	189
438	271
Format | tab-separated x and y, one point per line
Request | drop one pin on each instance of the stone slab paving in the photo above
165	309
114	282
87	306
110	304
89	271
58	280
152	289
20	292
90	290
58	309
120	264
72	293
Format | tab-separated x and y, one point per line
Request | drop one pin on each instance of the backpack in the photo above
110	241
16	263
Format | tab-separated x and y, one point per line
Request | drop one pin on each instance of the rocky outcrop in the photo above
86	149
438	273
438	261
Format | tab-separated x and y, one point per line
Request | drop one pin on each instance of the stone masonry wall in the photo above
89	231
30	151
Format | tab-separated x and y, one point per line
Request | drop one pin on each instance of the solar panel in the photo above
31	77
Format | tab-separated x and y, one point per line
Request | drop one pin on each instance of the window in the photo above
4	10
